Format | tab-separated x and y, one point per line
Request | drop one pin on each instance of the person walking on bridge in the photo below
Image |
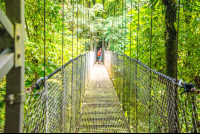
99	54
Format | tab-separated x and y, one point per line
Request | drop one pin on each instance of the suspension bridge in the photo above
120	95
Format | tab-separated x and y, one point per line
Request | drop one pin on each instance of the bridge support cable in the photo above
72	120
131	26
151	6
137	66
177	130
45	110
63	101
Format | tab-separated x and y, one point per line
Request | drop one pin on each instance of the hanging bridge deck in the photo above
101	110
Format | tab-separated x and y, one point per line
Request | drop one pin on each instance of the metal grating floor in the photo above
101	110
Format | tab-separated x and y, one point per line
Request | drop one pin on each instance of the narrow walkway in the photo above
101	111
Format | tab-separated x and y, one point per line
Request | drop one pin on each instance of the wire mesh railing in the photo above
56	107
151	100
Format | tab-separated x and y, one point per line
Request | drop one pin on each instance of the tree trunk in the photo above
88	3
94	2
170	36
171	62
103	4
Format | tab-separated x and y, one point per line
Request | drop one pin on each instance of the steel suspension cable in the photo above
89	25
72	125
150	66
177	40
177	116
62	39
81	14
82	23
130	26
72	2
151	32
77	26
44	38
63	119
129	113
114	23
118	51
124	64
119	22
138	26
137	60
77	63
44	61
112	28
125	29
103	48
122	26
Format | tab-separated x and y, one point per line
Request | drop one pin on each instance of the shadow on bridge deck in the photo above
101	110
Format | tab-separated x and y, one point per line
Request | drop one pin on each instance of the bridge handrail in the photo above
153	70
152	98
55	107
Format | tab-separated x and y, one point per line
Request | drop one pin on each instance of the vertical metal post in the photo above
77	25
103	50
76	90
85	78
118	75
46	89
64	103
72	81
81	87
89	64
123	89
15	77
137	62
122	25
63	81
131	27
176	87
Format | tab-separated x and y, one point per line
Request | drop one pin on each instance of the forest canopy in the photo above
114	22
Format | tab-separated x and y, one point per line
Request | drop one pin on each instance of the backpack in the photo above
98	54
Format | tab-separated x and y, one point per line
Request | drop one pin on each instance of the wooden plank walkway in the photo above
101	110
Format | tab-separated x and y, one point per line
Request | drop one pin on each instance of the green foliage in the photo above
121	36
34	50
114	21
2	104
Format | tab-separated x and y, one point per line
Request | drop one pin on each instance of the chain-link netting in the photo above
56	107
151	100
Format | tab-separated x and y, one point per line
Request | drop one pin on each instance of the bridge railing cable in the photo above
49	109
151	104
